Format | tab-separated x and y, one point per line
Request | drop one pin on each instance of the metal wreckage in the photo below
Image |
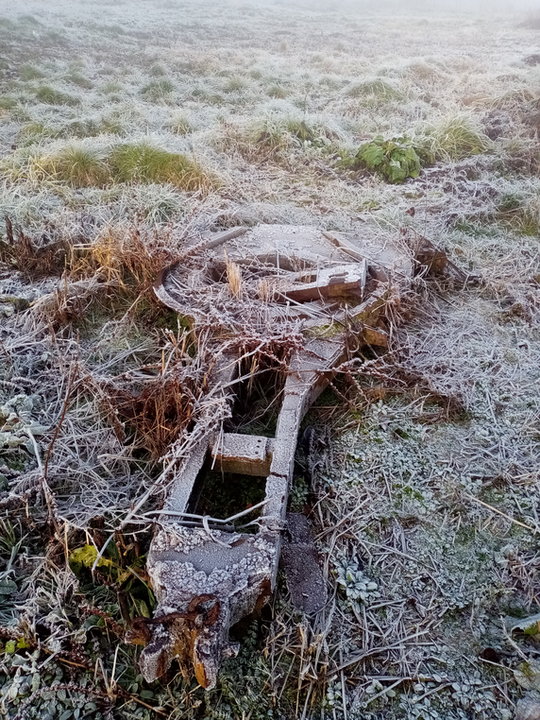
326	294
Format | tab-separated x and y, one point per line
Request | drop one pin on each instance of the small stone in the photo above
528	708
6	310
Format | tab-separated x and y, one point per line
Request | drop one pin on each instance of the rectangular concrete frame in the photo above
246	565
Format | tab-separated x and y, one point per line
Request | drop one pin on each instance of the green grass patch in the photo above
270	134
277	134
111	88
180	125
29	20
277	92
107	125
520	212
371	90
140	163
300	130
34	132
157	71
205	94
143	163
78	79
234	85
454	139
156	203
7	102
76	166
30	72
157	90
50	96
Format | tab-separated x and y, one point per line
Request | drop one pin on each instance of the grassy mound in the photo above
371	90
51	96
454	139
180	125
157	90
77	166
143	163
82	166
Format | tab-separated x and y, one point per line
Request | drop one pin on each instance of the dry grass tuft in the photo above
34	258
234	278
150	409
455	138
180	125
128	257
76	166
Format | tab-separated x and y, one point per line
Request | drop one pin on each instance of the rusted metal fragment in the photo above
243	454
205	581
303	573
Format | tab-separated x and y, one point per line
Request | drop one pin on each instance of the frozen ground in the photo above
427	512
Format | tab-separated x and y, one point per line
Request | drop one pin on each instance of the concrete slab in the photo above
242	454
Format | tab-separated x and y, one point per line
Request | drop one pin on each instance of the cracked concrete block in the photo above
242	454
204	581
339	281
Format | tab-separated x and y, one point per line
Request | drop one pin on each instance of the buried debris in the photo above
288	300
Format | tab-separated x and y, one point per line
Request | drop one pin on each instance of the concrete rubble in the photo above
333	288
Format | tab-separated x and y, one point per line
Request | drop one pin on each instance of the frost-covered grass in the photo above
173	117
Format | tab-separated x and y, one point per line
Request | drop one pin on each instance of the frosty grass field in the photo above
126	127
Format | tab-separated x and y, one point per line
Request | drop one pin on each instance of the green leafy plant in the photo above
395	159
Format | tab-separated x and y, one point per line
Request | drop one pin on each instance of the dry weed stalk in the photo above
234	278
35	258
